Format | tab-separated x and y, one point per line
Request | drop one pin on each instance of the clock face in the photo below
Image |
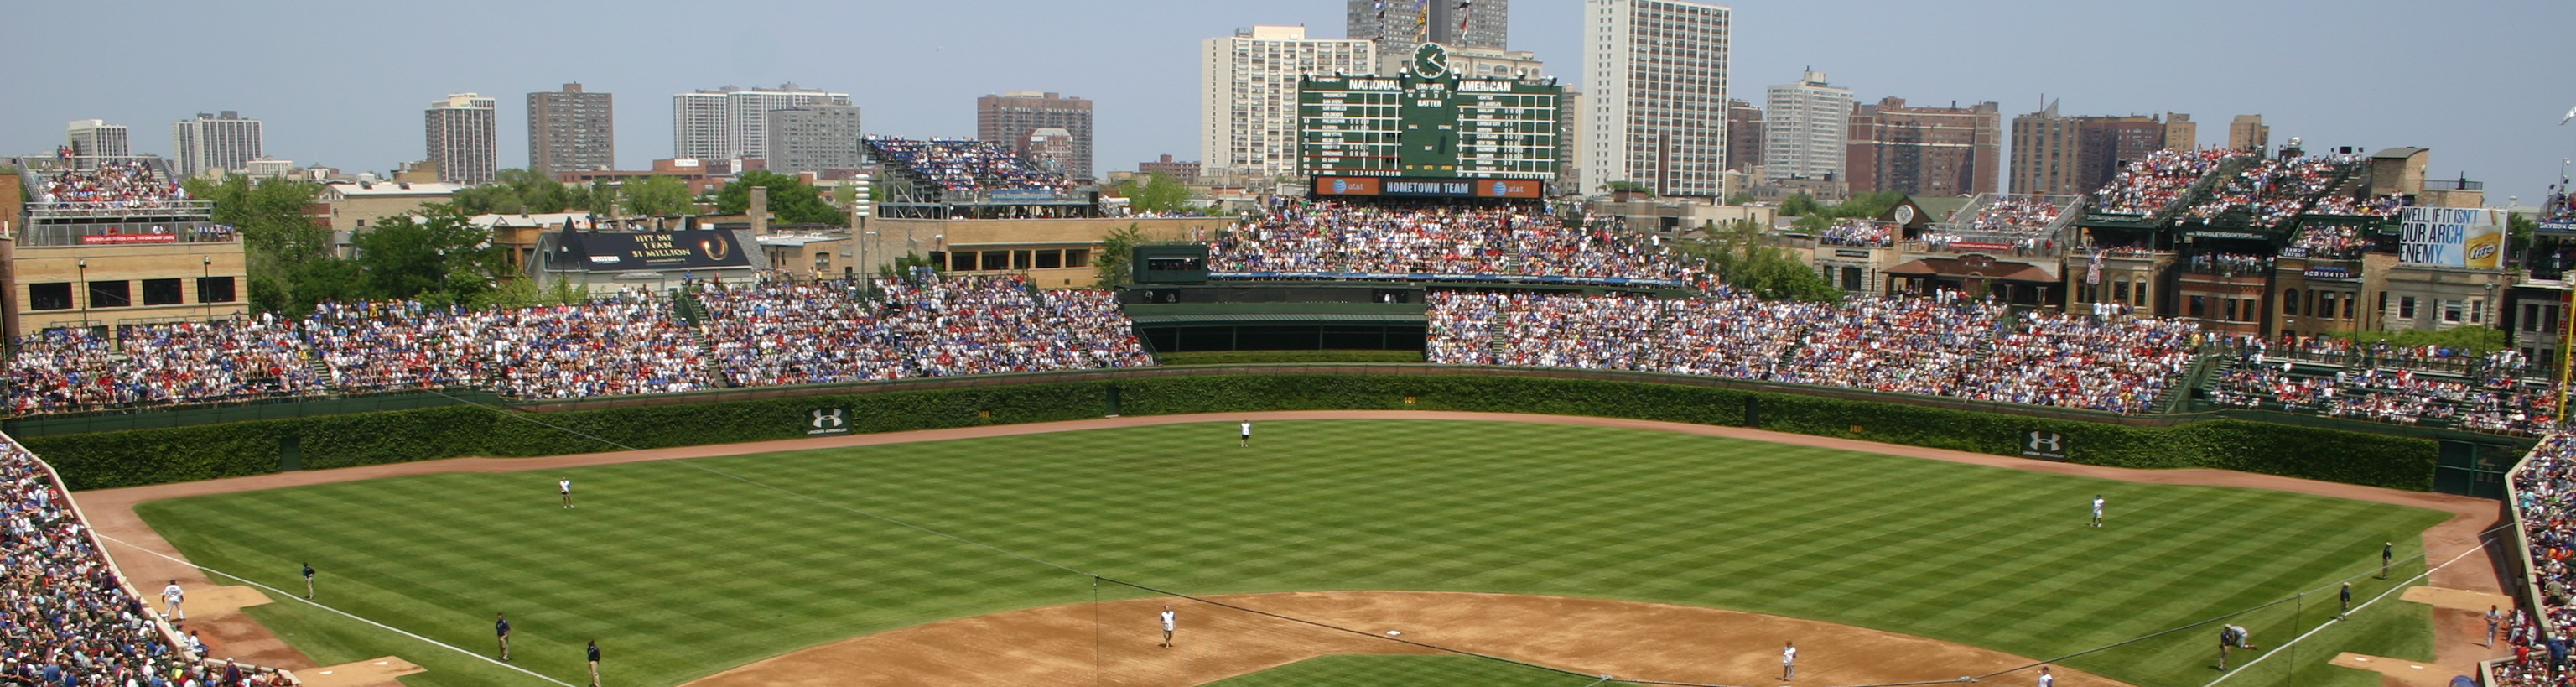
1431	60
1904	214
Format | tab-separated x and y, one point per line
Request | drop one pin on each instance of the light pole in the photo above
208	262
83	264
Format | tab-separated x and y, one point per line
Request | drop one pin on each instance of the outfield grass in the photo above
681	572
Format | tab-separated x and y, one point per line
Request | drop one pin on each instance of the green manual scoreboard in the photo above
1428	122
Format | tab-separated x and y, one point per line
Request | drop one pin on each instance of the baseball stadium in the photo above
1415	424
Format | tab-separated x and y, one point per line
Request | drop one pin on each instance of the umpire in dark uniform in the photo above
594	663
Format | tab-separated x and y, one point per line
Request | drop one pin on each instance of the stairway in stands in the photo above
1501	343
693	315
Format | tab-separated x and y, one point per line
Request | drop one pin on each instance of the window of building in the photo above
2230	308
1077	257
1050	259
2477	311
996	260
215	290
49	296
822	261
961	261
1021	260
1851	278
2120	291
2530	320
162	292
2290	302
111	294
2451	310
2405	306
2198	308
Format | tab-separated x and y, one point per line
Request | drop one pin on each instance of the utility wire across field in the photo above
352	616
1098	578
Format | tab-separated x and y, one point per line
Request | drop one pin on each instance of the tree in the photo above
1740	198
903	266
1797	205
1159	193
519	191
278	236
436	255
791	200
1743	256
1110	263
2474	338
658	196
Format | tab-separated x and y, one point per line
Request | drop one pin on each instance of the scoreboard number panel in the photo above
1430	122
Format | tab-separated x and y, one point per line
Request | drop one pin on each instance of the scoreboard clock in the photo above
1427	122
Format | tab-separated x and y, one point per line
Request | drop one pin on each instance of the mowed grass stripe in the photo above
695	572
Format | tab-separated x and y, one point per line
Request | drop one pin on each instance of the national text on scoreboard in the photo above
1427	122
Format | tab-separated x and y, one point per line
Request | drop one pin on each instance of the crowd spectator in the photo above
923	326
2331	241
2544	497
2147	187
1322	238
397	346
1958	348
2273	191
2382	206
966	165
1849	231
68	617
2014	214
112	184
160	364
2493	392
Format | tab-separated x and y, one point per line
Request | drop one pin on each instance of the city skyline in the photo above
2486	106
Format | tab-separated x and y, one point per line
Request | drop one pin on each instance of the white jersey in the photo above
2097	506
566	486
2047	680
172	594
1247	429
1789	656
1168	618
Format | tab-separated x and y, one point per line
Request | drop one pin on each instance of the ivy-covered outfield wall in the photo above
176	454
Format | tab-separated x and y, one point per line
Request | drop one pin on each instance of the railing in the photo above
139	208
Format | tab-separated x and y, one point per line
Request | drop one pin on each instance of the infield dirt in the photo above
111	512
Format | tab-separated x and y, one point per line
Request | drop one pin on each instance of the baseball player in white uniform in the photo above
1247	434
564	486
1168	623
2097	510
171	596
1788	661
2045	679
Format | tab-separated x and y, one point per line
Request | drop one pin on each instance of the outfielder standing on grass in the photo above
308	581
566	487
594	663
501	627
1247	434
1168	618
2097	510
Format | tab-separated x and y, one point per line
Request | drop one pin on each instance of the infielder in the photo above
565	486
1168	620
2495	617
2045	679
2387	555
2232	637
501	627
1788	661
171	596
1247	434
2097	510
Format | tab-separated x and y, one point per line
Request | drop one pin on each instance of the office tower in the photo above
2059	154
1009	118
91	139
1248	95
2180	132
2247	132
1743	136
814	138
1925	151
1654	75
214	141
571	130
462	140
1399	26
1805	129
733	122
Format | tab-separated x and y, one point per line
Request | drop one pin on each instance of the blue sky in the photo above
2481	82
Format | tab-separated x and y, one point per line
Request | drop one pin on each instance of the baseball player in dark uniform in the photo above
501	627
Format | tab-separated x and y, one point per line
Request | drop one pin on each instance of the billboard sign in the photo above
2451	237
117	239
2044	445
618	251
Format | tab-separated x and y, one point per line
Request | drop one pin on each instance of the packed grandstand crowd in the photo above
67	617
2544	496
1850	231
2491	392
115	184
1943	347
2334	241
2013	214
761	334
2273	191
2148	186
1524	240
2382	206
967	165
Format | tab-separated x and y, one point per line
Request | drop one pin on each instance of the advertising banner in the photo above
2451	237
617	251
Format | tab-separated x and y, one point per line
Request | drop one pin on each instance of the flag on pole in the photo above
2093	269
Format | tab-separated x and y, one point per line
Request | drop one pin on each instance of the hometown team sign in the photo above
827	421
